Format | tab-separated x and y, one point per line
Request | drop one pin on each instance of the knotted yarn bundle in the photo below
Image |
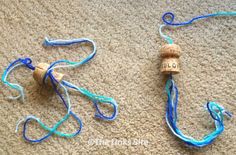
46	74
170	54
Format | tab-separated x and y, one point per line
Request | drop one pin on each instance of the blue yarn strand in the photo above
58	124
172	17
61	42
27	62
168	19
96	99
216	112
19	62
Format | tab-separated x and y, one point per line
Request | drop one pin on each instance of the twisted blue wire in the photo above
216	112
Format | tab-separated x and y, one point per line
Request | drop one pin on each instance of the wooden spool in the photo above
40	71
170	54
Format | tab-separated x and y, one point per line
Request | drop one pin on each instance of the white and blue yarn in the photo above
64	86
216	111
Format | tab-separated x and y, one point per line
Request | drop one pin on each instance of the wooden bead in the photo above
170	54
40	71
170	66
170	50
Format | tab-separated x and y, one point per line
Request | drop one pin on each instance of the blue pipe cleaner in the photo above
96	99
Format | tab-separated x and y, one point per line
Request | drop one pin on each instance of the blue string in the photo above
216	112
68	63
96	99
27	62
55	127
168	19
171	17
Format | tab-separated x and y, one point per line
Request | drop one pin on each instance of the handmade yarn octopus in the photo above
170	54
46	74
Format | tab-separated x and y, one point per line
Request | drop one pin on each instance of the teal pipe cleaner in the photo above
216	111
64	86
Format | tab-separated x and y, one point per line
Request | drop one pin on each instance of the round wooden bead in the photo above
170	66
170	50
40	71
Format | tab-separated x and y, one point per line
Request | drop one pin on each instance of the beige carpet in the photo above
126	67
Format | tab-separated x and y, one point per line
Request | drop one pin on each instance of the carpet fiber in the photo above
126	68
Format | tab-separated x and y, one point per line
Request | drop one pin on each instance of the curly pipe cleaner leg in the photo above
216	111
